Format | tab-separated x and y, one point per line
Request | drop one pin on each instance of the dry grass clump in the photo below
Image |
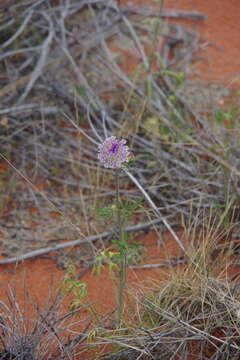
187	316
194	312
28	331
192	315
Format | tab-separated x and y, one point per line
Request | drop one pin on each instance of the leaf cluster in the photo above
70	285
128	208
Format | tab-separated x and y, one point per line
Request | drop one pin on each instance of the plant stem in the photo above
123	258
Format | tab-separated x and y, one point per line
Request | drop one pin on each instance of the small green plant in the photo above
115	154
128	208
106	257
229	116
77	288
70	285
122	252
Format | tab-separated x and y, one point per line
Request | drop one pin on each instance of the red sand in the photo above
222	29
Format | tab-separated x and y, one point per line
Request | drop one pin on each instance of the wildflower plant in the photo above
115	154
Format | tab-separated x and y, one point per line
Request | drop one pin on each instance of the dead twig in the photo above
173	262
89	239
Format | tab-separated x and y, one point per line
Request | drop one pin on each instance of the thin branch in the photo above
66	244
42	60
19	31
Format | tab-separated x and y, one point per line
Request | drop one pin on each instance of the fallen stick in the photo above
181	260
66	244
179	14
166	13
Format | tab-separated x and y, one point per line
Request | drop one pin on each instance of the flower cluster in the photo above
112	153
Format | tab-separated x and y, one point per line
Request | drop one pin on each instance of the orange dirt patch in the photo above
220	31
37	275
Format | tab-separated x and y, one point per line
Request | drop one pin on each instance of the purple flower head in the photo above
112	153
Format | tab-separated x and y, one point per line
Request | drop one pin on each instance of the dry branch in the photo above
88	239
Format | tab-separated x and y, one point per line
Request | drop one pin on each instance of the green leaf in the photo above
220	117
81	89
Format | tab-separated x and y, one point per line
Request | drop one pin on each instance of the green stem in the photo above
123	259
